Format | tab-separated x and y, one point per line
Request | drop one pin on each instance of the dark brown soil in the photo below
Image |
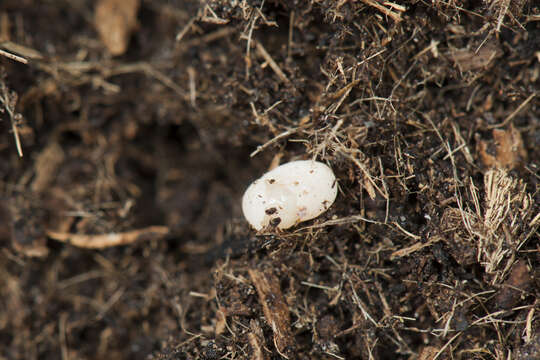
121	231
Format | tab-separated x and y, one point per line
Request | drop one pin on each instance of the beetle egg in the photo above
291	193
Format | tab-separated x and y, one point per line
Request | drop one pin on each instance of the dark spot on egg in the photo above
275	221
271	211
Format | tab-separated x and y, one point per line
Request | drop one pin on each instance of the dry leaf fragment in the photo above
515	286
508	149
114	21
469	59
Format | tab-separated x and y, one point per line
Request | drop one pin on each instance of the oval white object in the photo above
291	193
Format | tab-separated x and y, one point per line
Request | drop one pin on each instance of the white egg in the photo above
291	193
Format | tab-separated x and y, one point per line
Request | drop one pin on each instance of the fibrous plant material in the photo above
497	228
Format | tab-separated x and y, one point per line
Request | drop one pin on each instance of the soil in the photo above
132	128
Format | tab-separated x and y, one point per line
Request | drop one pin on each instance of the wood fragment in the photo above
102	241
275	310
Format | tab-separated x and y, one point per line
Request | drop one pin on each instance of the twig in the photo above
367	175
431	47
502	14
413	248
22	51
185	29
446	345
273	140
101	241
395	16
210	37
262	52
213	19
415	237
62	336
290	39
13	57
340	221
192	86
514	113
361	305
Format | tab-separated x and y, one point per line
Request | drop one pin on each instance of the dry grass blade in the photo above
414	248
515	112
396	16
21	51
262	52
8	100
275	139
